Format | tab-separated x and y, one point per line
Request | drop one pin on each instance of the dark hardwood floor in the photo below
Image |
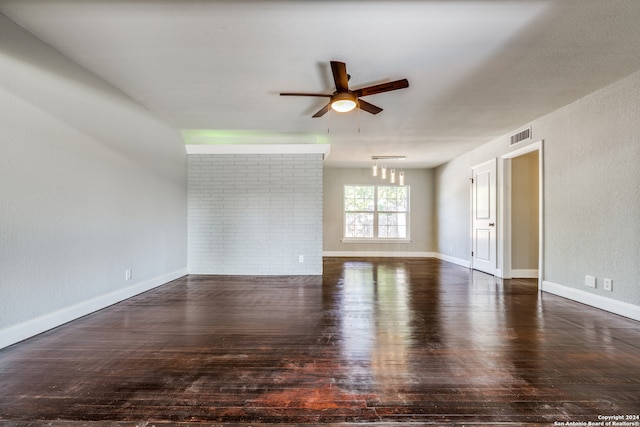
400	341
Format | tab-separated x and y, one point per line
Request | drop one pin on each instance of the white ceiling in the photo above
477	69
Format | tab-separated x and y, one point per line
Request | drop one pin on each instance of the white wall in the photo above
421	205
591	196
452	216
592	191
91	184
255	214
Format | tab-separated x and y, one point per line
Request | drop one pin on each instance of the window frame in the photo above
376	213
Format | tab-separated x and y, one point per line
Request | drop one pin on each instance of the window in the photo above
376	212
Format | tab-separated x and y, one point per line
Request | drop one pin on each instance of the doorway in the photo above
524	216
521	244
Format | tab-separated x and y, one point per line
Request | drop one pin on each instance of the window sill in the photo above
375	240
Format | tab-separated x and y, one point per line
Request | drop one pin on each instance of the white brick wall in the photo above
255	214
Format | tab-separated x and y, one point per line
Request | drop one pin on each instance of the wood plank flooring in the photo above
375	341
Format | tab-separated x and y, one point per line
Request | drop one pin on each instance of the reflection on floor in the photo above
372	340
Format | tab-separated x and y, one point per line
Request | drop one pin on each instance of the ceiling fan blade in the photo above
305	94
340	77
322	111
383	87
369	108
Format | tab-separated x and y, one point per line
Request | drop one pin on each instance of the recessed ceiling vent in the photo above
521	136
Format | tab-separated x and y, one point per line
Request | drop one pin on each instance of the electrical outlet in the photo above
590	281
607	284
300	258
127	274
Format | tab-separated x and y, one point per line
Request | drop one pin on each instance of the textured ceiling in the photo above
477	69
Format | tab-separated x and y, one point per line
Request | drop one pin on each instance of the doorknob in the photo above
492	224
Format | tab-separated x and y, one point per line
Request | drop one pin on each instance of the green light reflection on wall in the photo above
233	137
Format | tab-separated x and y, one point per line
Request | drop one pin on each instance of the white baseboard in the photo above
458	261
523	273
613	306
380	254
383	254
30	328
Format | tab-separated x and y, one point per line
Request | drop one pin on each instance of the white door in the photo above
483	217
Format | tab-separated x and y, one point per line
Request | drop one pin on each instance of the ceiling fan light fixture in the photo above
343	102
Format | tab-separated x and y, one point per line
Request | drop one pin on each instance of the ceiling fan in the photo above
343	99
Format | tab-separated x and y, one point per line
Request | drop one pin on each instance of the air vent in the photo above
521	136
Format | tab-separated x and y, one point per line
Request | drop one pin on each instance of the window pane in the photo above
383	199
358	225
348	192
392	199
359	198
392	225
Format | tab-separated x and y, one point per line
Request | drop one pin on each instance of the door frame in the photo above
504	210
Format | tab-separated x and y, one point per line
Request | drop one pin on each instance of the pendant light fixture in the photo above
393	174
